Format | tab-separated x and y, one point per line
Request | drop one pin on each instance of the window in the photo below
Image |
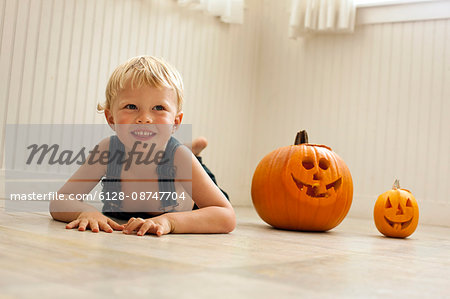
392	11
367	3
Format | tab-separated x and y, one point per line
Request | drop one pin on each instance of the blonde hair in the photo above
143	70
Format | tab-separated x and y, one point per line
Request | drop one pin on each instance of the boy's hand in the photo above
159	226
95	221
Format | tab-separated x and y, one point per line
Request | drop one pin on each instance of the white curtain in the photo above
229	11
309	17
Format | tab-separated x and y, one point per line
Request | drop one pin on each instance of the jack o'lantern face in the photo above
304	186
315	173
398	212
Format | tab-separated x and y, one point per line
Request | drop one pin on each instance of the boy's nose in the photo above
144	119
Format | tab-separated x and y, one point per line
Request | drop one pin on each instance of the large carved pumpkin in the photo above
304	187
396	212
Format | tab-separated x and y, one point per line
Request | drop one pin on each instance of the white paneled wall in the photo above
380	98
56	57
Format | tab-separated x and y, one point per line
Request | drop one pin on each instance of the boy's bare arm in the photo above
215	213
211	219
69	210
78	213
214	220
81	182
81	215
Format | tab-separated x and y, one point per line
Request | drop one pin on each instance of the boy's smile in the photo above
143	134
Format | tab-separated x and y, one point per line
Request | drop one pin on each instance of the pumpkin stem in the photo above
302	137
396	184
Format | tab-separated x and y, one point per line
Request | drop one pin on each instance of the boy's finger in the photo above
132	227
115	225
130	220
136	224
73	224
159	230
144	228
83	224
153	229
93	224
105	227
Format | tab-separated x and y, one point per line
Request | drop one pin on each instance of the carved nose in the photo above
317	177
399	210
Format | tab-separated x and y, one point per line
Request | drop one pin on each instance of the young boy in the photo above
144	98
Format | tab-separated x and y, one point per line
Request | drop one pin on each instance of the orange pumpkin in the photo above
396	212
304	187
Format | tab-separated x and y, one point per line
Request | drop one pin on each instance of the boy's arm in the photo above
81	182
78	213
215	213
204	220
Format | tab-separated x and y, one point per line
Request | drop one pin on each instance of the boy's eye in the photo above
158	107
131	106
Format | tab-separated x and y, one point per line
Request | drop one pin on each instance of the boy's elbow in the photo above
52	211
230	227
229	222
55	216
55	210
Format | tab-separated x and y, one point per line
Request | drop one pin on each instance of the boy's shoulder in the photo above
183	160
103	145
182	155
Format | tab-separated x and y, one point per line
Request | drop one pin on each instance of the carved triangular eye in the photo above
388	203
408	203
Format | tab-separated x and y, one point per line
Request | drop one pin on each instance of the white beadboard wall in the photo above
56	57
380	98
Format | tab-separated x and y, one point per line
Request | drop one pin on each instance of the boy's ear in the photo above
178	118
109	118
177	122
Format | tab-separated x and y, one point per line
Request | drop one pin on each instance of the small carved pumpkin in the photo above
302	187
396	212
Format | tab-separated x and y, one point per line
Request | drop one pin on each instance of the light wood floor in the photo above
39	258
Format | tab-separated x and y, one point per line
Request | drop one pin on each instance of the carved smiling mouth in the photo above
398	225
313	191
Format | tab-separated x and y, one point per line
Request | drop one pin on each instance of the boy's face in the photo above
144	113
